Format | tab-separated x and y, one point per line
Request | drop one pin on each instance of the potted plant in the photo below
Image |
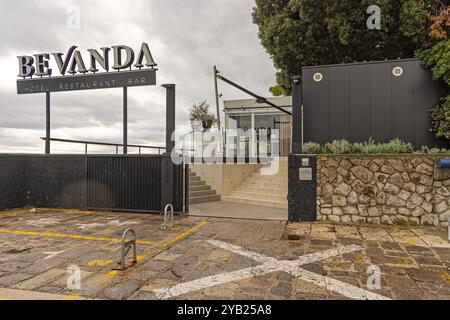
199	113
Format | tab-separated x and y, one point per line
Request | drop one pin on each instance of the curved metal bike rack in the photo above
126	246
168	215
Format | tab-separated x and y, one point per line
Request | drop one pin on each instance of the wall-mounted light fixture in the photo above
397	71
317	77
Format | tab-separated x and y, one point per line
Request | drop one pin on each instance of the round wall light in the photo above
317	77
397	71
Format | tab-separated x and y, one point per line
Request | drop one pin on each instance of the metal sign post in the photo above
125	120
47	123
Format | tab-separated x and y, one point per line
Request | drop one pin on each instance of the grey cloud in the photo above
186	38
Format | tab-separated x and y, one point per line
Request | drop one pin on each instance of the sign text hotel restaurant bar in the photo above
83	78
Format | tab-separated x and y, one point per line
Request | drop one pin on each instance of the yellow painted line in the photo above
100	263
359	259
409	241
404	261
446	277
160	246
71	236
182	235
72	296
109	276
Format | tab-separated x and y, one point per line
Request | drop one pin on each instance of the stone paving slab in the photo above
414	262
36	249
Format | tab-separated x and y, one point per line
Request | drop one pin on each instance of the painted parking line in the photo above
106	239
270	265
72	236
160	247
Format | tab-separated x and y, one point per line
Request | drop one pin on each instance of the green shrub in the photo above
312	148
427	150
338	147
395	146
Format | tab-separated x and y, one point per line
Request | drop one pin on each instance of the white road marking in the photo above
112	223
43	221
88	226
272	265
241	251
117	223
52	254
211	281
322	255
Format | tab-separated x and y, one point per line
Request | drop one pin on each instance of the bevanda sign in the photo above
125	69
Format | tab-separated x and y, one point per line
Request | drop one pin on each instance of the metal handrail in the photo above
117	145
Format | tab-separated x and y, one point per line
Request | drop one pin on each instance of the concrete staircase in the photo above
266	191
199	191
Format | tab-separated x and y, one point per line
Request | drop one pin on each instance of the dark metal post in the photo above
170	117
47	123
296	117
216	91
125	120
85	148
167	166
186	188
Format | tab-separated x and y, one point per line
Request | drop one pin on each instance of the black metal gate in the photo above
133	183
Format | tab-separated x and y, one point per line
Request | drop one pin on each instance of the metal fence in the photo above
133	183
103	182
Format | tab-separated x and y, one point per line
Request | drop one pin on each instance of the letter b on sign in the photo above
26	68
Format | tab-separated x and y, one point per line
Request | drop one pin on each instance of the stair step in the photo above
262	190
202	199
259	196
194	178
268	180
265	185
271	204
199	188
199	193
196	183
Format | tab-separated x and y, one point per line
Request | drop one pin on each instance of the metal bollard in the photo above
165	225
126	246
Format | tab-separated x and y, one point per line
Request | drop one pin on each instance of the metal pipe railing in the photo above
117	145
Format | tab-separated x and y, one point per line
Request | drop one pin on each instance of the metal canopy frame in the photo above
258	98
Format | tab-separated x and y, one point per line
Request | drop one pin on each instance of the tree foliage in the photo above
438	59
298	33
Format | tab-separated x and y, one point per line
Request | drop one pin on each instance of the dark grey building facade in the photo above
382	100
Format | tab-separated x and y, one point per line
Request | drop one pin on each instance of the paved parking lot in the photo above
214	258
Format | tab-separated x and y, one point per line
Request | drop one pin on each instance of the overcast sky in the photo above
186	39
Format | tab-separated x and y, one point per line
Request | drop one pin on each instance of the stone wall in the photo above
383	189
